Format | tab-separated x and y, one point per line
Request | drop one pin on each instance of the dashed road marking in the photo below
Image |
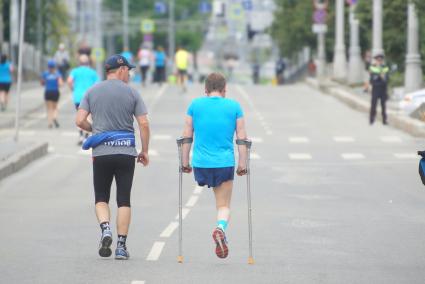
255	156
137	282
70	133
353	156
169	230
155	252
256	139
192	201
390	139
161	137
344	139
300	156
50	149
297	139
27	132
84	152
406	156
185	211
153	153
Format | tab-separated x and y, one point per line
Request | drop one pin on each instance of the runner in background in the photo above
145	57
62	60
80	80
181	59
52	80
6	78
160	63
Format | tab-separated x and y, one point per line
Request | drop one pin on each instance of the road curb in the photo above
21	159
396	119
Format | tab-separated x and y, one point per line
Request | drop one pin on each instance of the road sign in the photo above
204	7
236	12
320	28
247	5
98	54
351	2
160	7
147	26
319	16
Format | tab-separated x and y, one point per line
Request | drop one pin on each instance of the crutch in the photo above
248	144
180	142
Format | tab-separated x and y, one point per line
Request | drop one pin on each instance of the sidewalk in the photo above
31	100
359	101
16	155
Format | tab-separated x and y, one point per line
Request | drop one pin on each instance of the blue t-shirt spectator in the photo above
51	80
5	73
214	123
127	55
83	78
160	58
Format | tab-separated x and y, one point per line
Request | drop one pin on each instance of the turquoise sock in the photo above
222	224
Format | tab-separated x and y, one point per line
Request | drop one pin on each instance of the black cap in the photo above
116	61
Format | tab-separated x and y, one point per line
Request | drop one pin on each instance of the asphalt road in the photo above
334	201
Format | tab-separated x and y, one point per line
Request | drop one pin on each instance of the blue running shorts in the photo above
213	177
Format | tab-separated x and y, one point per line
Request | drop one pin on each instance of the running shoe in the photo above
56	123
219	238
122	253
105	244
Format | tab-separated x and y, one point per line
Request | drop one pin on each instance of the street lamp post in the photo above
355	63
413	74
125	23
171	35
377	28
340	61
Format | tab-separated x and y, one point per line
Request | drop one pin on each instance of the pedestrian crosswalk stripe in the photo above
155	252
27	132
343	139
300	139
161	137
300	156
84	152
137	282
352	156
69	133
256	139
153	152
406	156
390	139
192	201
269	132
185	211
169	230
50	149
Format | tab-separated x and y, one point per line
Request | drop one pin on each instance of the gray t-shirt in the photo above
113	105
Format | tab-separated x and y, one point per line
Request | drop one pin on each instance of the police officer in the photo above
379	80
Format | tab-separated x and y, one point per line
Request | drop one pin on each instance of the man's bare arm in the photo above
242	150
144	129
187	132
81	120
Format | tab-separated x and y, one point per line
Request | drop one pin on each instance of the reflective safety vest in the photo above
379	69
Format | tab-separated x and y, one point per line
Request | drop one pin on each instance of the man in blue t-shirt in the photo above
213	120
80	80
160	62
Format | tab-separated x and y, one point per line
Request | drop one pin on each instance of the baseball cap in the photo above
51	63
379	55
116	61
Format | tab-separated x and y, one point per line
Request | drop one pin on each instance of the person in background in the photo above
80	80
182	58
6	71
280	70
379	77
127	54
145	56
160	63
52	80
62	60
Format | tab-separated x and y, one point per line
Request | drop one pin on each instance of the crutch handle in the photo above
245	142
184	140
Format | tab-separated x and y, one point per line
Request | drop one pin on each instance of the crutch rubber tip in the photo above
250	260
180	259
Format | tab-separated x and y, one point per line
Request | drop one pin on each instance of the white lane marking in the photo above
44	115
269	132
406	156
161	137
156	99
185	211
27	132
169	230
390	139
137	282
298	140
192	201
84	152
256	139
50	149
352	156
155	252
198	189
300	156
70	134
343	139
153	152
255	156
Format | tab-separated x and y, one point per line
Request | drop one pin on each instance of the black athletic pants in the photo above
105	168
382	96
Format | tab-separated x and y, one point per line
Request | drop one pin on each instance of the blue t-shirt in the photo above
127	55
5	74
214	124
51	80
83	77
159	58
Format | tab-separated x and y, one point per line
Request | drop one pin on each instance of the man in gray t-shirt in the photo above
113	105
